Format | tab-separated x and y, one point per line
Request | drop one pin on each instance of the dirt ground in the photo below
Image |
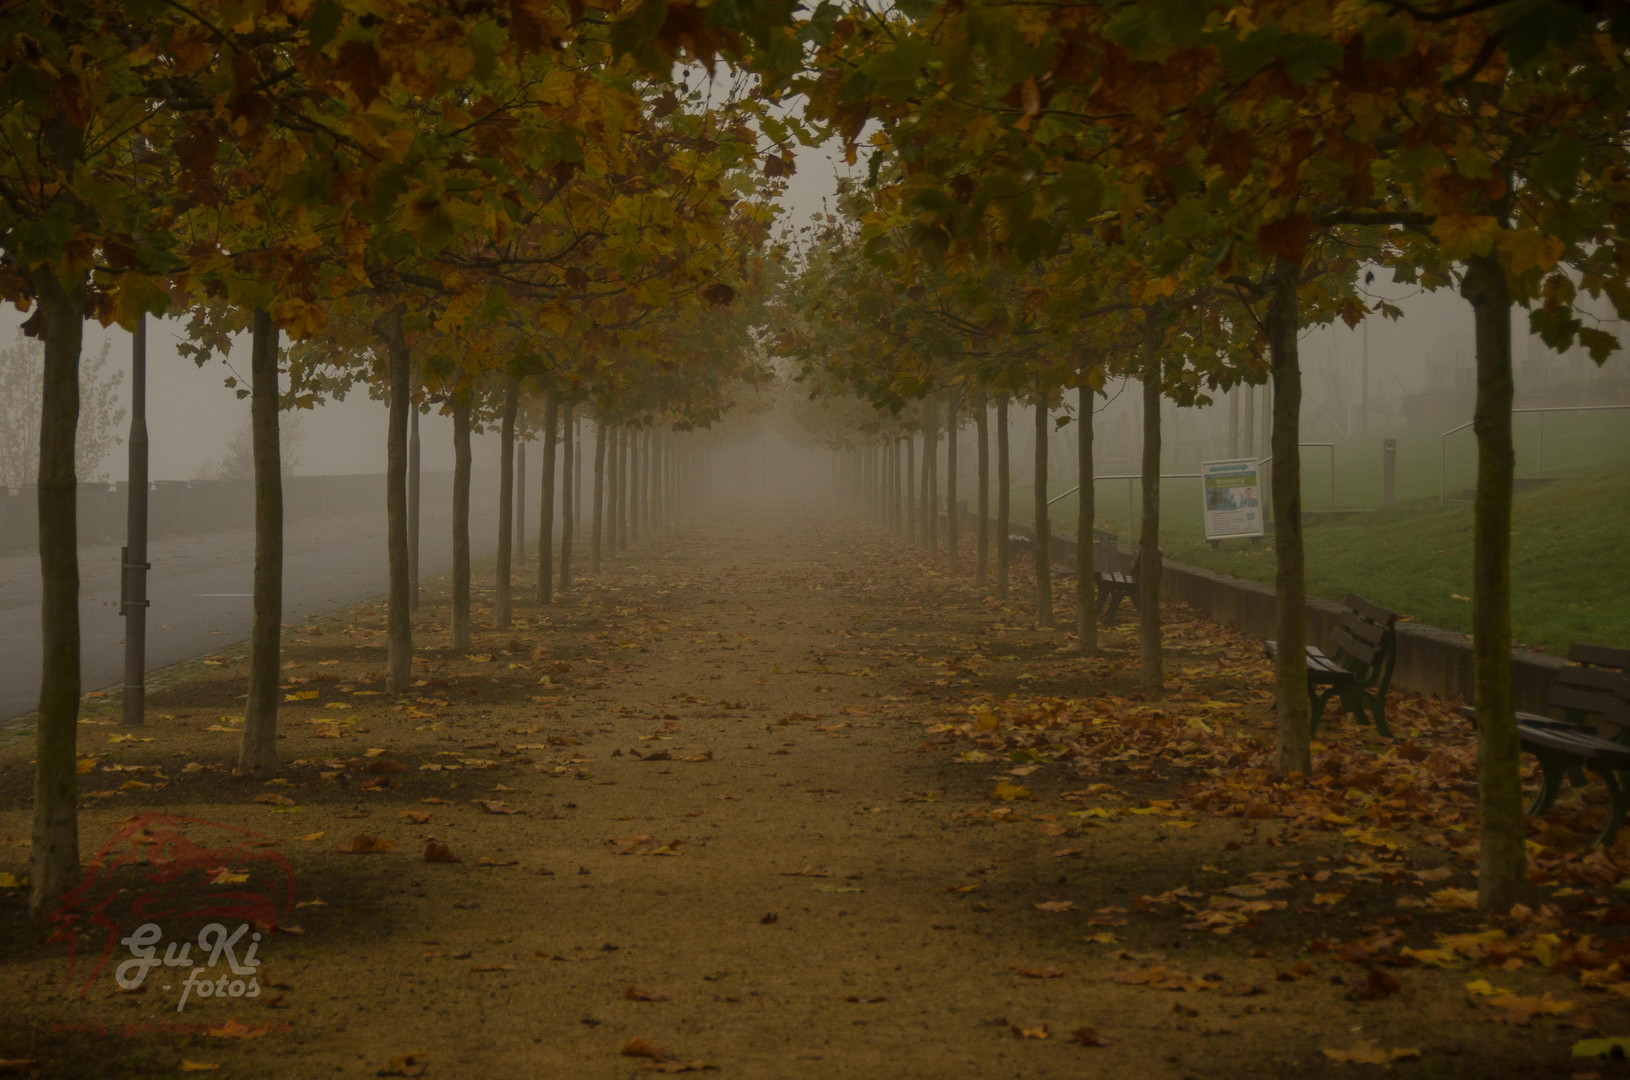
777	796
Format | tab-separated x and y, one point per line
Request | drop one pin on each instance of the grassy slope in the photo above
1571	538
1570	561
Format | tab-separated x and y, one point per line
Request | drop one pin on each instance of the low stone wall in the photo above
1431	660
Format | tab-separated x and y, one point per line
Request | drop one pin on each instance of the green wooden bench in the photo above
1592	734
1356	667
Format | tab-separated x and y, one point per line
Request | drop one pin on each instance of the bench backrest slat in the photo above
1373	612
1346	644
1596	702
1600	655
1605	680
1363	629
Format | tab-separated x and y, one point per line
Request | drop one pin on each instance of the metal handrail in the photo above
1539	464
1131	514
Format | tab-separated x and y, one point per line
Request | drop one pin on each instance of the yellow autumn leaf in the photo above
300	695
1463	235
1006	792
1522	250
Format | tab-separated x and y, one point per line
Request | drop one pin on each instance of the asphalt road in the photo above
199	588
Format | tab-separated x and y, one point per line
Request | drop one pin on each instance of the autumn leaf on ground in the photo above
1055	905
272	798
438	852
1030	1033
1083	1036
1364	1052
186	1066
808	871
491	967
1006	792
225	876
865	999
405	1065
416	817
643	1048
300	695
363	844
234	1029
634	993
1379	984
1520	1011
1039	972
313	836
494	806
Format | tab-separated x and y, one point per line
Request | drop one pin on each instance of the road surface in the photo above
199	588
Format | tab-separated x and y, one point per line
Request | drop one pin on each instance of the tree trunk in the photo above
133	704
619	495
910	491
55	865
1150	661
259	747
413	493
568	481
461	519
1501	876
546	500
1044	534
1086	585
1004	495
953	531
520	502
1290	666
982	560
506	504
931	472
398	625
635	485
650	484
599	489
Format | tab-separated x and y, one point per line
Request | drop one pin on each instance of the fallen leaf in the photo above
417	817
438	852
1039	972
1006	792
1055	905
197	1066
1030	1033
634	993
406	1065
643	1048
1364	1052
363	844
1087	1037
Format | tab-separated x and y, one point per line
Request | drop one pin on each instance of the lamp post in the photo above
133	559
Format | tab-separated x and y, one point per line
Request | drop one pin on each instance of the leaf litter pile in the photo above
790	801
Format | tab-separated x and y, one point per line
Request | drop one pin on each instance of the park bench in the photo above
1116	584
1592	735
1357	668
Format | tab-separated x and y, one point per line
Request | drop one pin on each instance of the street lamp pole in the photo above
134	566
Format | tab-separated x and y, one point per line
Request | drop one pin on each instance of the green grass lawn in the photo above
1570	564
1570	537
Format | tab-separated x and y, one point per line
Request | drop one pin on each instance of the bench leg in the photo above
1620	802
1316	704
1553	769
1378	709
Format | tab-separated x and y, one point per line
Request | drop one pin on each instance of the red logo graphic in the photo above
166	868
